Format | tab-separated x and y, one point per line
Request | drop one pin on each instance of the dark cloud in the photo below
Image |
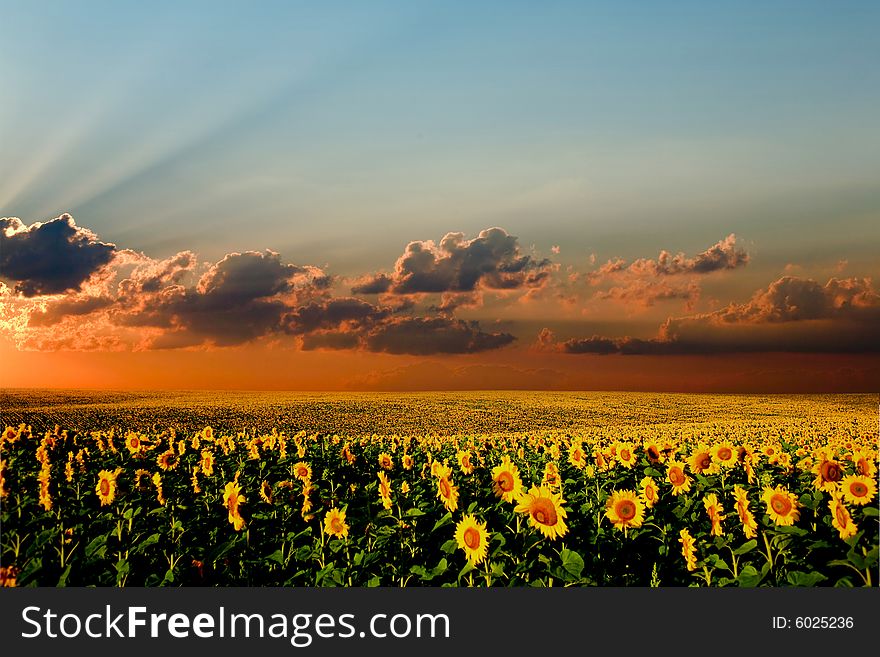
793	315
492	260
57	311
52	257
433	335
332	313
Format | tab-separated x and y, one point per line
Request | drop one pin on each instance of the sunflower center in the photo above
858	489
704	461
841	515
543	511
653	453
649	492
624	455
472	538
626	510
676	476
444	487
105	487
505	482
780	504
724	454
336	525
831	471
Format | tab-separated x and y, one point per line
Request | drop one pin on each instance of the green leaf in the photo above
415	513
799	578
445	520
748	546
748	576
468	568
572	562
97	547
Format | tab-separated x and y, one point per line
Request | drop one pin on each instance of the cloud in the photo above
142	303
724	254
791	315
493	260
644	294
50	257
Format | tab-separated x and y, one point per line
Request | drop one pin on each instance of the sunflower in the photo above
715	513
439	469
207	433
746	517
207	463
168	460
858	489
626	454
648	492
576	456
106	487
266	492
233	499
653	451
448	493
464	462
700	461
724	454
302	471
551	477
385	461
865	462
828	473
506	483
334	523
688	549
624	509
384	490
675	475
404	488
407	462
160	495
472	537
545	511
782	506
133	443
194	480
45	478
841	520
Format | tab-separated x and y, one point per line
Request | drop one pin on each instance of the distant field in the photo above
416	413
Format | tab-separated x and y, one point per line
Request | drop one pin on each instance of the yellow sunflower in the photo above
782	506
334	523
545	511
858	489
551	477
746	517
472	537
384	490
688	549
828	473
626	454
168	460
266	492
385	461
841	520
133	443
576	456
648	492
302	471
675	475
624	509
724	455
653	451
233	500
207	463
715	513
106	487
407	462
700	461
506	483
448	493
865	462
464	462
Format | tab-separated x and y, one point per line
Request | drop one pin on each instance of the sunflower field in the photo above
769	501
